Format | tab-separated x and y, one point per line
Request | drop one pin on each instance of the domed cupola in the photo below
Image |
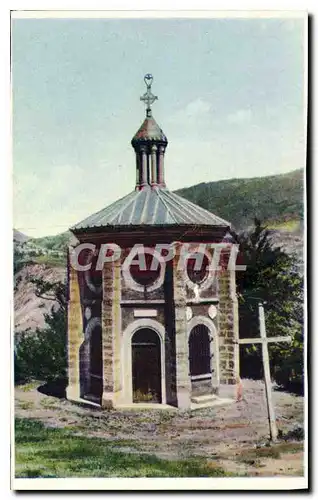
150	203
149	144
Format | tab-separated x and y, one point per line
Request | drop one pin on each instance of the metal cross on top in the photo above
148	96
264	341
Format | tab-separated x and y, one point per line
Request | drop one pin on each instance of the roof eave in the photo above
127	228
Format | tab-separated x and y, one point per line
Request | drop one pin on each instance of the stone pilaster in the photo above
236	335
228	333
117	332
75	335
183	383
111	332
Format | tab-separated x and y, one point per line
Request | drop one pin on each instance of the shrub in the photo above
41	354
271	277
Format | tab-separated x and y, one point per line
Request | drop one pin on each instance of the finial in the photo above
148	96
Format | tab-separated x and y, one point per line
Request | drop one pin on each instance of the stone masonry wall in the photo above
183	384
111	329
75	335
228	328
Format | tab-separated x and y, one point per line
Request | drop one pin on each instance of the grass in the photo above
51	452
26	405
289	225
273	451
50	260
49	403
29	386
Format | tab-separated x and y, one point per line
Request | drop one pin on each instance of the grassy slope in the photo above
58	242
50	261
47	452
276	199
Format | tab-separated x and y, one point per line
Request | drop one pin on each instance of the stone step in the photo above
205	398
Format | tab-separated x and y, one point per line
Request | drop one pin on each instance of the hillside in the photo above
19	237
48	250
277	200
57	243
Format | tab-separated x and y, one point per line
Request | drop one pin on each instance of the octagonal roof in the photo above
150	207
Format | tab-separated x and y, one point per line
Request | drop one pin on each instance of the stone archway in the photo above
127	364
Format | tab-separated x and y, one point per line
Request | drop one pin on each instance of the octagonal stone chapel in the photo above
164	333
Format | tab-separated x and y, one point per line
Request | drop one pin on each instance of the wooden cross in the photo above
267	375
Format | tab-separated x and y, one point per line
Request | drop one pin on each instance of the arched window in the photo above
199	351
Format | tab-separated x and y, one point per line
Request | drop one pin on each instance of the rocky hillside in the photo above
28	308
19	237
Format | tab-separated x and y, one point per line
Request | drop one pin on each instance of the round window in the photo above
146	271
198	268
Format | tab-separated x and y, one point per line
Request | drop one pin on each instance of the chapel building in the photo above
165	333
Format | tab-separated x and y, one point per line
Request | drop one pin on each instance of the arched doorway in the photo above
146	366
199	352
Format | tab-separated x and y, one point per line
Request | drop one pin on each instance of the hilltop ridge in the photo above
277	199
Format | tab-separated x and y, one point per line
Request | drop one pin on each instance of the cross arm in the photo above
284	338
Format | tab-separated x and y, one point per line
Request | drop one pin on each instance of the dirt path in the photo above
233	437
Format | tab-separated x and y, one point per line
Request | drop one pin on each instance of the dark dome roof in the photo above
149	132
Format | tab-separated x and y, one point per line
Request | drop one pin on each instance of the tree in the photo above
41	354
19	259
50	290
272	277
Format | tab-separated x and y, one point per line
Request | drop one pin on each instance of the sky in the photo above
231	102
